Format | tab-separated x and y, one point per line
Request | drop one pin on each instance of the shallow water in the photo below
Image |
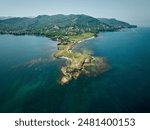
29	75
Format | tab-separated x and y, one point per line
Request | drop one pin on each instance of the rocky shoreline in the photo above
78	63
93	67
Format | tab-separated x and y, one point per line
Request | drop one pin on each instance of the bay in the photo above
29	75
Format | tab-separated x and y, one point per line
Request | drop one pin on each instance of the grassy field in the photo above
65	50
80	37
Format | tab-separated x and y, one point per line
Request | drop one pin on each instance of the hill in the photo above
57	26
3	18
116	23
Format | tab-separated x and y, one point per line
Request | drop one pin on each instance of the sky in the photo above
132	11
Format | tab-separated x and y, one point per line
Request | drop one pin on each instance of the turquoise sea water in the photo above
29	75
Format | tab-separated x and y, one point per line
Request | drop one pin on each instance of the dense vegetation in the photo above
58	26
116	24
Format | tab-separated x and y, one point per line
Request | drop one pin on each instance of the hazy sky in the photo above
132	11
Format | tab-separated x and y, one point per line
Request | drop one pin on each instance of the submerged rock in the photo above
98	65
65	80
90	66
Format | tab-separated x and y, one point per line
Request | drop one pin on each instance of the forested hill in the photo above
116	23
59	25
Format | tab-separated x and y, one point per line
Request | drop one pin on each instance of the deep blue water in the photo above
29	75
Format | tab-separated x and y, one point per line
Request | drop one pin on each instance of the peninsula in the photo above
68	30
77	62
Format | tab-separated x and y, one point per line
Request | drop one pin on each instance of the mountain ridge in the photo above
55	26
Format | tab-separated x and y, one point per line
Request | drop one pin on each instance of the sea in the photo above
29	75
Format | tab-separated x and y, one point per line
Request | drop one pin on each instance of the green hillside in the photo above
57	26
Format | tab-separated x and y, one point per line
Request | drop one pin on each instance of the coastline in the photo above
78	62
87	39
70	49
